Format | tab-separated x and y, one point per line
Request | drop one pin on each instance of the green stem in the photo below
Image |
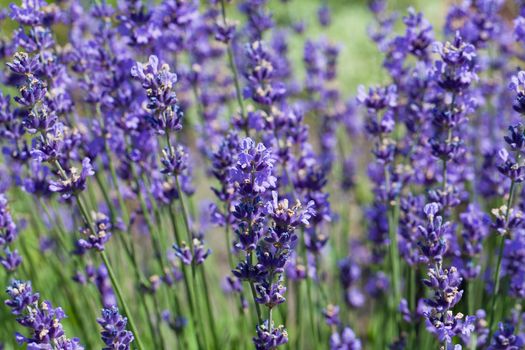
249	259
184	212
311	308
185	219
412	303
185	273
211	318
129	248
298	315
394	253
114	179
228	238
501	244
122	301
233	67
270	321
112	276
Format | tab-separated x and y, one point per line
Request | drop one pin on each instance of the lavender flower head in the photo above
73	182
114	333
377	98
262	86
269	338
433	237
505	339
96	240
346	340
517	84
456	69
9	259
159	83
253	171
40	318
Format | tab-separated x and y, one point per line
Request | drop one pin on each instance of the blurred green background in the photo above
360	61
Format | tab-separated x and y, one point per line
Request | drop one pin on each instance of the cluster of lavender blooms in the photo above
43	321
156	151
10	260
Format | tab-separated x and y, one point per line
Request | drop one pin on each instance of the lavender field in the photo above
262	174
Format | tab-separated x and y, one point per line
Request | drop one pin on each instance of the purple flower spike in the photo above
377	98
114	333
505	339
75	181
24	64
30	13
346	340
174	161
43	321
517	84
253	171
159	84
96	240
331	315
21	296
11	260
267	339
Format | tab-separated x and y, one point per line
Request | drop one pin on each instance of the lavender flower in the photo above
159	84
269	338
324	15
29	13
187	257
433	237
9	259
73	182
444	282
331	315
345	340
114	333
174	161
96	240
517	85
455	71
40	318
505	339
253	172
262	87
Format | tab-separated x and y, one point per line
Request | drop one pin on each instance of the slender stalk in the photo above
189	236
209	308
270	321
185	218
125	307
151	227
309	292
129	248
501	245
158	313
154	237
412	303
394	253
298	315
233	67
311	310
125	239
184	212
114	179
228	238
185	274
114	281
